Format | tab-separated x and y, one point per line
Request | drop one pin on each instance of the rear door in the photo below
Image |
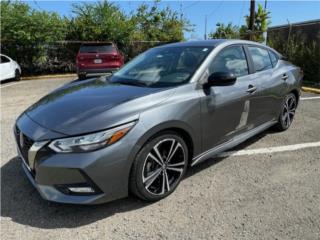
266	87
225	109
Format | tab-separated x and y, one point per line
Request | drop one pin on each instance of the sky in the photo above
217	11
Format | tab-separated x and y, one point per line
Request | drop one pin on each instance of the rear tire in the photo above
287	112
154	177
17	75
82	76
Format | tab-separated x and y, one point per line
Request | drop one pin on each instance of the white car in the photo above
9	69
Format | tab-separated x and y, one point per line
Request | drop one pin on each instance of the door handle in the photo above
284	77
251	89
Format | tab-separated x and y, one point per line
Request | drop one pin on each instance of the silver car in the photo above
139	130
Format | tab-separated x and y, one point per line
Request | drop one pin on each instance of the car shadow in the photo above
21	202
4	82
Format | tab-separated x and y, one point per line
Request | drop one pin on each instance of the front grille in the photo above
24	143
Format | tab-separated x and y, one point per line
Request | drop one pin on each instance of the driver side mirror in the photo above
221	79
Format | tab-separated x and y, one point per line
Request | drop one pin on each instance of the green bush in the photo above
303	53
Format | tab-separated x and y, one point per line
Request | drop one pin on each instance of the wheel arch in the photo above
189	136
181	128
296	94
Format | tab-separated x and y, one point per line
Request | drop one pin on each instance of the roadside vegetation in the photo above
45	42
295	47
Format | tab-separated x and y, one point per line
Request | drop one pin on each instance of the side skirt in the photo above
231	143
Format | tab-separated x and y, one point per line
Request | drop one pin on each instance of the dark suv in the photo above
97	58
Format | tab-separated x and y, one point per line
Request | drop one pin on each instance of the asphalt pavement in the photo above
266	188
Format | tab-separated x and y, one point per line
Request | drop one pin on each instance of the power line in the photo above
216	9
40	8
191	5
207	16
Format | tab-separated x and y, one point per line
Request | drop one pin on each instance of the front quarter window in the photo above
162	66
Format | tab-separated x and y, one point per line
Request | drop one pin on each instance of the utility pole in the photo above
205	27
181	14
251	19
265	34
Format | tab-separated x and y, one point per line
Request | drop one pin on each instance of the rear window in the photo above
97	48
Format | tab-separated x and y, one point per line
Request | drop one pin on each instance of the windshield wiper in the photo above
132	82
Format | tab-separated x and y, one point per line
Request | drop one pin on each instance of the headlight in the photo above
91	141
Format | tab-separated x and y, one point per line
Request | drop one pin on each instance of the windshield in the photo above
162	67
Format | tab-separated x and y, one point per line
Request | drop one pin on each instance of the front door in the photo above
225	109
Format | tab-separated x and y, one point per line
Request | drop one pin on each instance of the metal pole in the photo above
205	27
181	12
265	34
290	27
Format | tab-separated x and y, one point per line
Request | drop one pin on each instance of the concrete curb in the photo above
312	90
48	76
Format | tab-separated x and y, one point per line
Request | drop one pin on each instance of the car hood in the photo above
93	105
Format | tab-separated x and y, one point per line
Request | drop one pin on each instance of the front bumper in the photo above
106	170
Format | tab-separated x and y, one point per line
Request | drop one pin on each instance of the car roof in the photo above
212	43
202	43
1	54
215	42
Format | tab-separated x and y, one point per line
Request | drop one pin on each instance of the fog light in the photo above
81	189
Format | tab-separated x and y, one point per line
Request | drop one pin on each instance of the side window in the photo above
4	59
261	58
232	59
274	58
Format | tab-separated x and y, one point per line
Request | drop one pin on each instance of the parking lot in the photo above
272	192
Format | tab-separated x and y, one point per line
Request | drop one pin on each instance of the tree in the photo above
155	24
34	37
25	31
100	21
225	31
260	25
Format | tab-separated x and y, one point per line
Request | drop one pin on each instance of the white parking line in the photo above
8	85
286	148
309	98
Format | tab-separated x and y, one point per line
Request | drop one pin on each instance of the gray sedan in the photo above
137	131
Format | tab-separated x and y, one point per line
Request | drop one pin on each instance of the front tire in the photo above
159	167
287	112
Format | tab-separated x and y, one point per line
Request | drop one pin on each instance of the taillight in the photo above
79	58
301	72
116	57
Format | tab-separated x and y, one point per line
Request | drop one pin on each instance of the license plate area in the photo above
97	61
